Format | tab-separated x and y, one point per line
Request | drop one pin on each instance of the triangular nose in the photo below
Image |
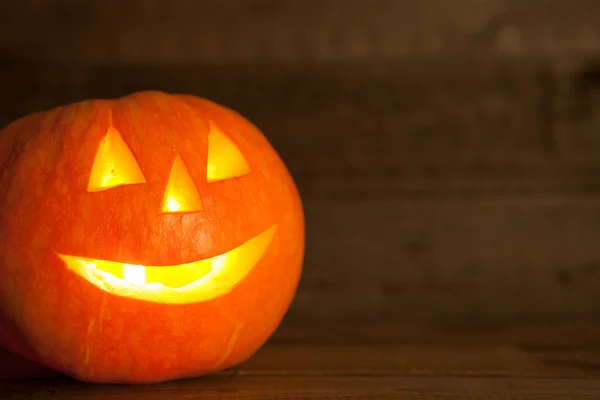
181	194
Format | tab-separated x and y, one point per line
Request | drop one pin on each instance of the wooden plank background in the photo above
142	31
447	152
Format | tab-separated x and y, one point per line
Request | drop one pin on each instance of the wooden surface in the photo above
382	361
447	156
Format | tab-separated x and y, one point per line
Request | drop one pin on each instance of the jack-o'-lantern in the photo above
143	239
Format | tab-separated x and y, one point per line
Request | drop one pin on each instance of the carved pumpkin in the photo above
143	239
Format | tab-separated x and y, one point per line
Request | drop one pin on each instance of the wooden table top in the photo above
373	360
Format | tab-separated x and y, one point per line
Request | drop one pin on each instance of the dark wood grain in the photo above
338	388
568	334
101	31
423	360
382	360
454	260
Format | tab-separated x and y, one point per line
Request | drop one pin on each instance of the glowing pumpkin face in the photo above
114	166
161	235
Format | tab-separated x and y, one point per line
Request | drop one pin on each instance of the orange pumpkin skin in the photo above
54	316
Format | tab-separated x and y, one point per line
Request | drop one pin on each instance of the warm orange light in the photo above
114	164
225	160
181	194
175	284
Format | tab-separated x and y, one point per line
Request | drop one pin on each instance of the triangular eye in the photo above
181	194
114	164
225	160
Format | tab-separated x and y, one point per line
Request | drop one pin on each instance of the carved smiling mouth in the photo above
175	284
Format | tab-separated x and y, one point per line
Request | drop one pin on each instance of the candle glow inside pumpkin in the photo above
115	165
